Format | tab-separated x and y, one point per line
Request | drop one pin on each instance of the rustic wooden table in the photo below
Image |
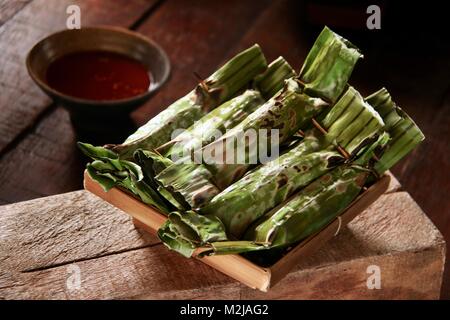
38	156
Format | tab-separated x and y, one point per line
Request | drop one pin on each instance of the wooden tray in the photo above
236	266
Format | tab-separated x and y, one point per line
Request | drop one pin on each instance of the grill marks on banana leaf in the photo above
220	119
288	111
316	205
279	203
225	117
219	87
249	198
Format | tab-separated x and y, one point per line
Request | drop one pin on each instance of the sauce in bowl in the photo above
98	75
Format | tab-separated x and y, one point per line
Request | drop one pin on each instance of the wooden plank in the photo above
131	205
46	162
61	229
393	234
8	8
348	279
151	272
21	101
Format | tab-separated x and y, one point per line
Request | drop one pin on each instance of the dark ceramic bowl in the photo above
92	117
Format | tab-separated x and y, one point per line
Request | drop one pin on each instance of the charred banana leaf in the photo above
216	122
318	204
351	124
212	92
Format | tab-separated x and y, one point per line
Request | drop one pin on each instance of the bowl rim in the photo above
117	29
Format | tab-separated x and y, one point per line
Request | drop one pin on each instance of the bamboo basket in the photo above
236	266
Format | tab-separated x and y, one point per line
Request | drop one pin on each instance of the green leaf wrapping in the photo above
174	241
272	80
269	185
152	163
318	204
184	232
219	87
329	65
110	173
206	130
405	134
289	111
198	228
190	181
272	183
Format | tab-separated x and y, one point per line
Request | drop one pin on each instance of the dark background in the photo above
410	56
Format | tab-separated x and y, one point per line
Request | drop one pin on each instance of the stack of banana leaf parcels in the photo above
329	142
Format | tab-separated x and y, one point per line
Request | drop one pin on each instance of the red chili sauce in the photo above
98	75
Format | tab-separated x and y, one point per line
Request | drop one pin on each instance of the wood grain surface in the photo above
41	240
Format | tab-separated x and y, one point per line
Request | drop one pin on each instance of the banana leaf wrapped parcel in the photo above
194	184
287	112
208	161
235	75
350	124
210	93
405	134
230	113
313	207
